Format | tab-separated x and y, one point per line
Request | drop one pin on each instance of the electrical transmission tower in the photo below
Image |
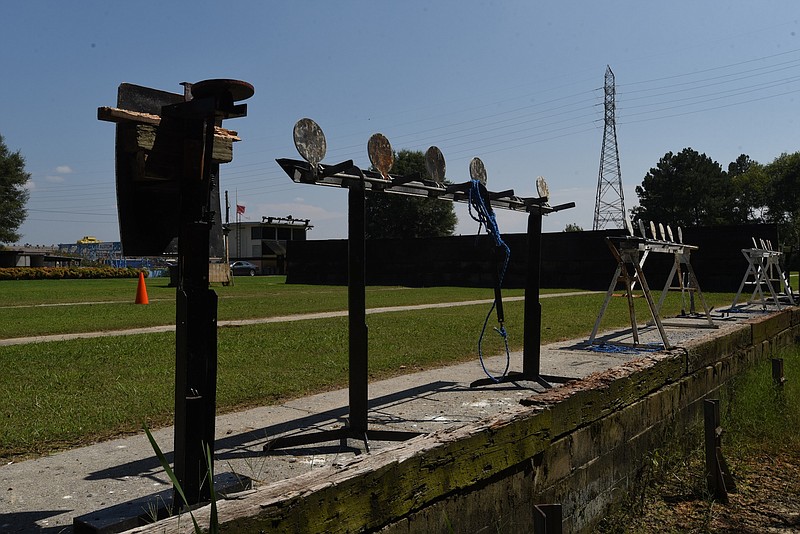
609	207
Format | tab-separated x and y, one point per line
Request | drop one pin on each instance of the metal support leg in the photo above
652	306
356	306
358	359
532	326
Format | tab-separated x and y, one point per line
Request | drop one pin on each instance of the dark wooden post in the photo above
196	314
777	372
718	478
547	519
356	305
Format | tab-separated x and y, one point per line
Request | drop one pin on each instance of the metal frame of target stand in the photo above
357	182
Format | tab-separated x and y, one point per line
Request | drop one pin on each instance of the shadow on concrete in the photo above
26	521
239	446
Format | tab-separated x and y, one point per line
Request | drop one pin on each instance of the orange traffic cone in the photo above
141	291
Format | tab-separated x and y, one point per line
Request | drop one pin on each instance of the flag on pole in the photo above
239	209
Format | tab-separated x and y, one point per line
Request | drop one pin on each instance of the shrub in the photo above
61	273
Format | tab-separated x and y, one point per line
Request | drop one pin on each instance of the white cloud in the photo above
64	169
30	185
54	179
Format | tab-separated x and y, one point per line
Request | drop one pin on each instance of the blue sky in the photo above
517	83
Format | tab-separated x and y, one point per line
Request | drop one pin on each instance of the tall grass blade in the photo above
171	474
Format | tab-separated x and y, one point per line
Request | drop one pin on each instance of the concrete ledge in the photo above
580	445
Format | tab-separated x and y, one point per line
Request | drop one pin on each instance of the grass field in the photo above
62	394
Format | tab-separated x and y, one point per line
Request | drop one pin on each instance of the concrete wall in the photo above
579	445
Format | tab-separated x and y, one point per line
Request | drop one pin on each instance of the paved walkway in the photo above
263	320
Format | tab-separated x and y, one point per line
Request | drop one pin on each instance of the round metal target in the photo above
542	189
669	234
661	232
434	164
310	141
380	154
477	171
653	230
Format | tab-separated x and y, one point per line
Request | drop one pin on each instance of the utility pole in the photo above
609	206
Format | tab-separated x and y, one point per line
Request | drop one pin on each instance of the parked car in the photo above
244	268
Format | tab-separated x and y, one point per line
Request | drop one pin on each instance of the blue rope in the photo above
622	349
485	217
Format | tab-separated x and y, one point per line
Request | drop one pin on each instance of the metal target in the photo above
434	164
653	230
641	228
661	232
310	141
629	226
542	189
380	154
477	170
669	234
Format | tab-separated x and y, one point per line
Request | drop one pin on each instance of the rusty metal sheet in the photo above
380	154
435	164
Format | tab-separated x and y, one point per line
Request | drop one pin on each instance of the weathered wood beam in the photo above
109	114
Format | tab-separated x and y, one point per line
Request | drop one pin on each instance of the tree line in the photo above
691	189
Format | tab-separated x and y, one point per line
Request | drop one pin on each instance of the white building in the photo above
264	243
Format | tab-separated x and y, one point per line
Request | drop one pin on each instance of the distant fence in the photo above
569	260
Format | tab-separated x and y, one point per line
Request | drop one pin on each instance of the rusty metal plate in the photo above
434	164
380	154
238	89
477	171
542	189
310	142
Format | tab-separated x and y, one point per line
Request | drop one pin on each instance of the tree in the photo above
686	189
13	195
783	203
751	185
572	227
400	216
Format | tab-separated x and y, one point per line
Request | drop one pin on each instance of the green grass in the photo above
30	308
61	394
762	417
759	422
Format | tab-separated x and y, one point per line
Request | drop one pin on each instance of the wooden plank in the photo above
109	114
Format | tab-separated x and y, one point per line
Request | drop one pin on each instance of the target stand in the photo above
631	253
764	269
311	144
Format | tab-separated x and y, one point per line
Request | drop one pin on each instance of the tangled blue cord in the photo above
622	349
485	217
